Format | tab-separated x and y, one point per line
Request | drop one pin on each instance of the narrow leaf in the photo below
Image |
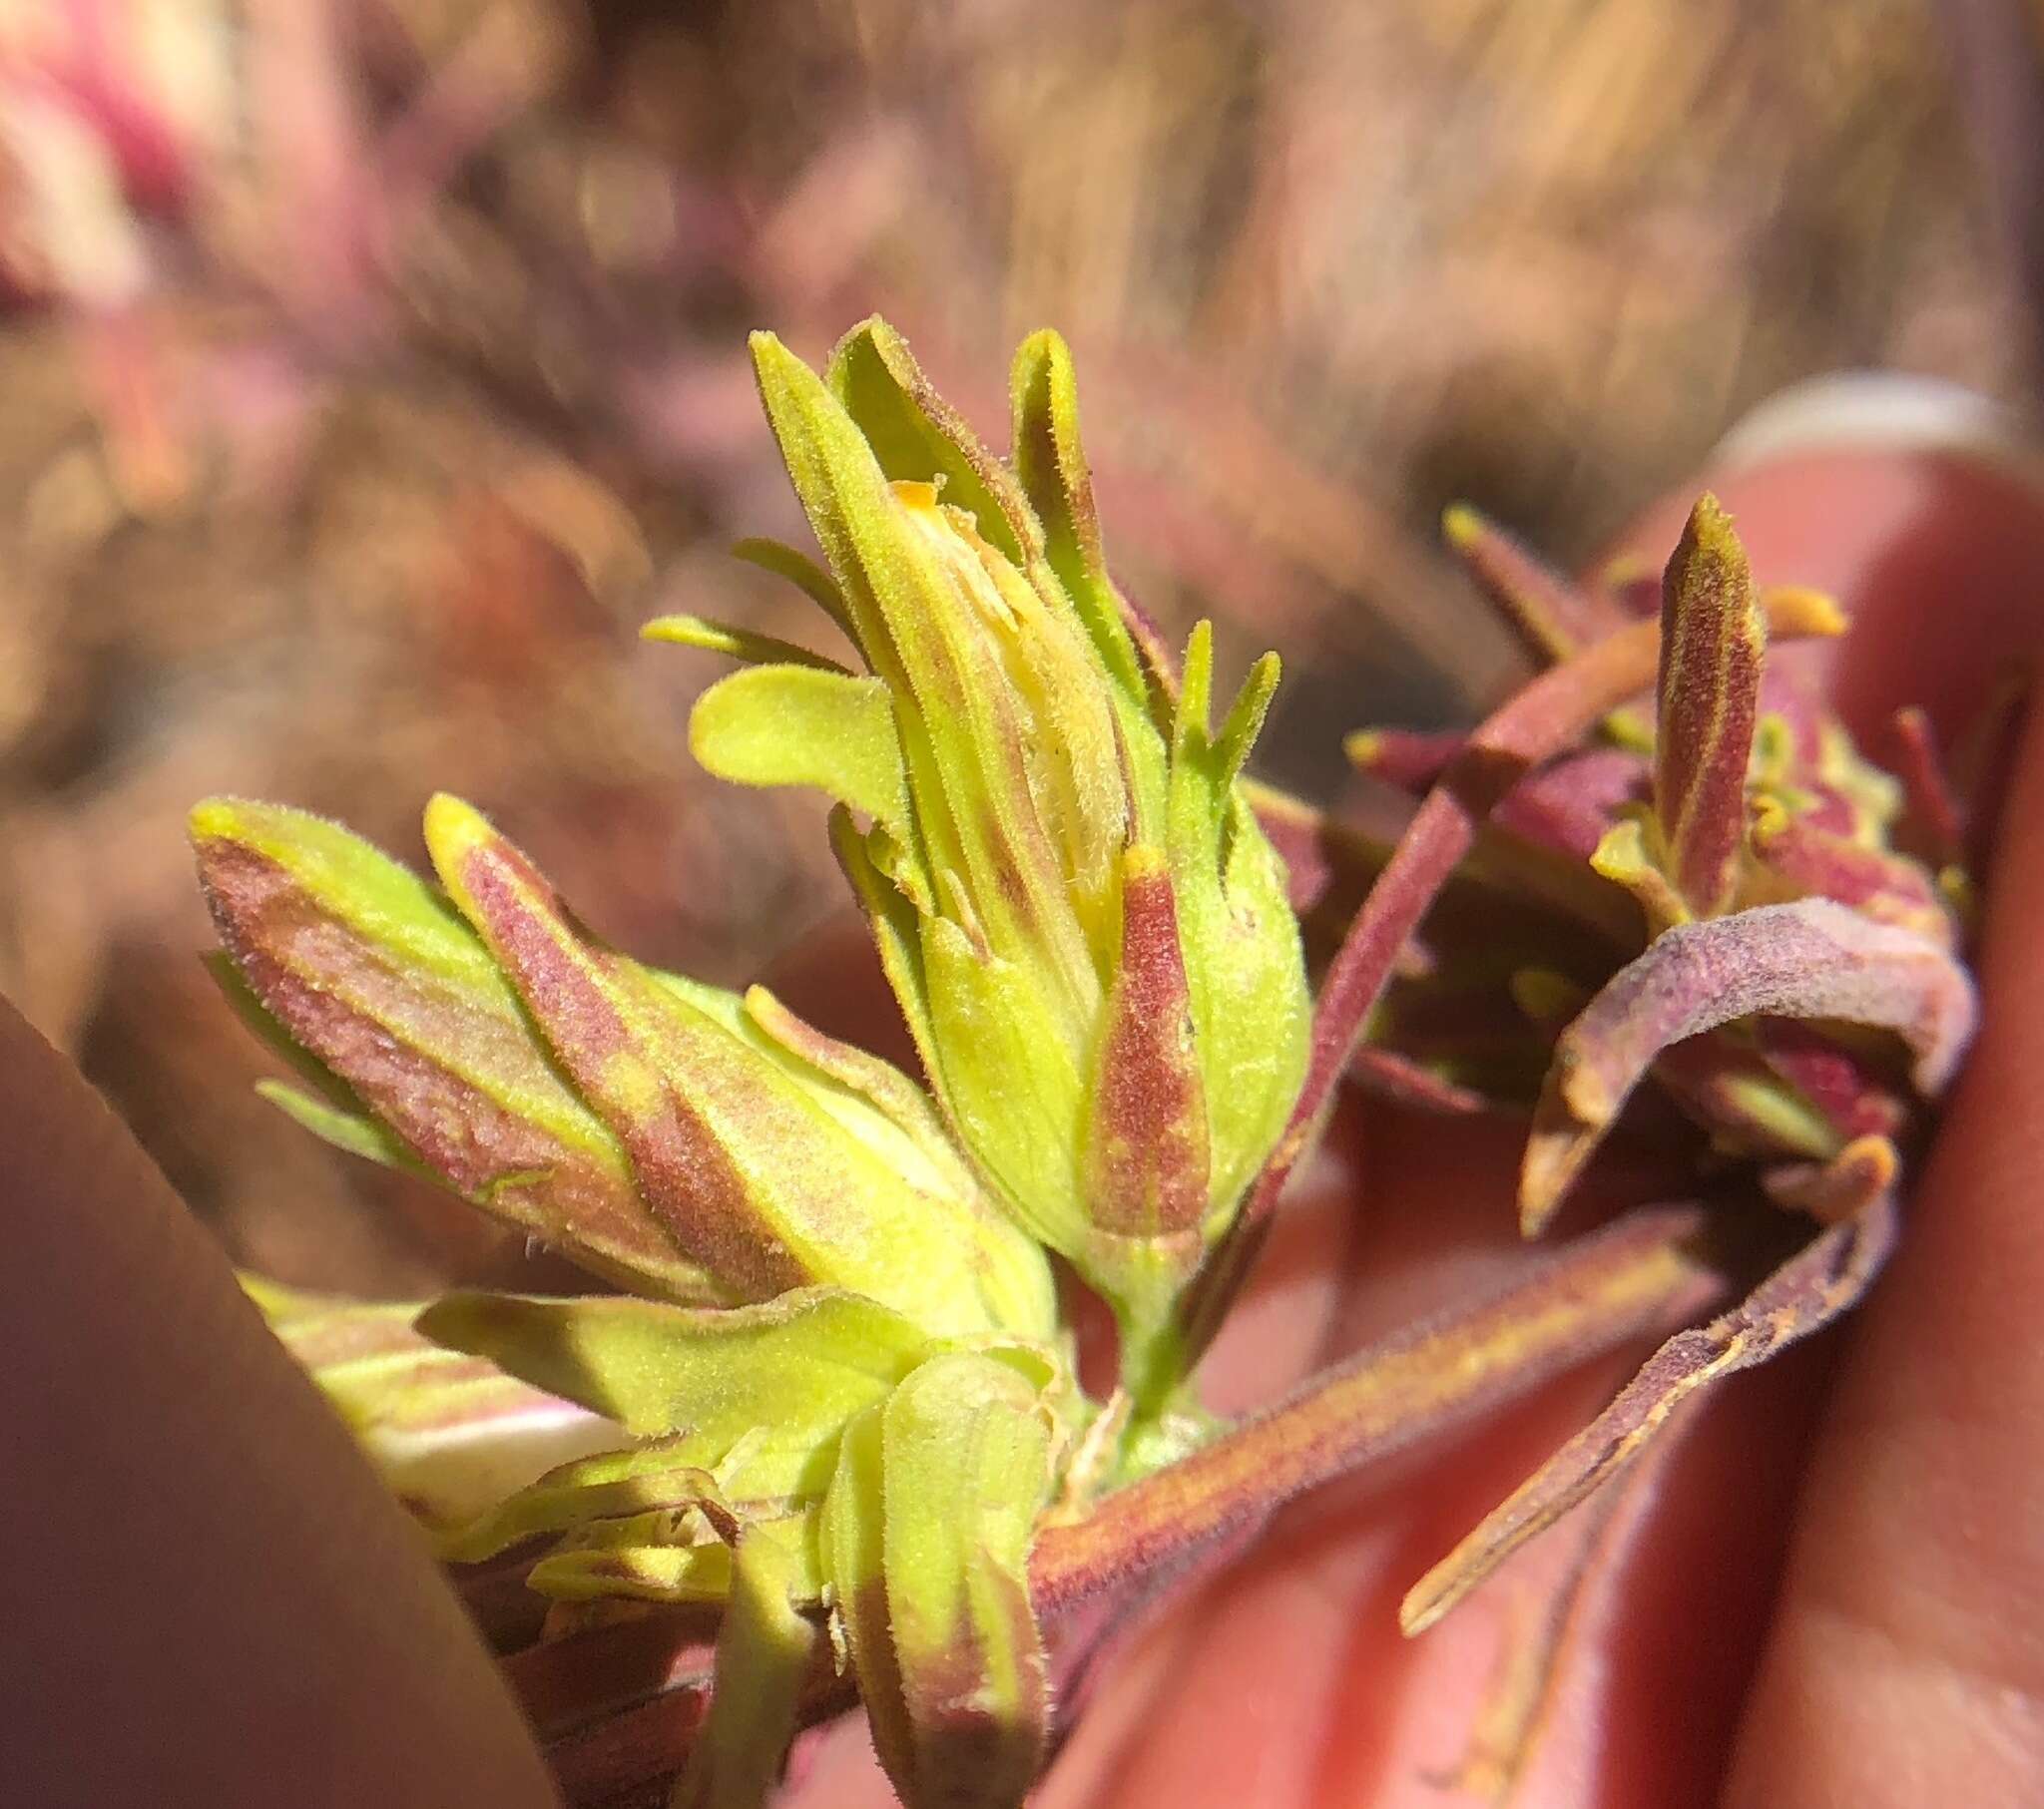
740	644
1553	617
1643	1274
791	1371
1814	959
1934	824
1244	719
765	1650
804	574
1410	758
1822	1280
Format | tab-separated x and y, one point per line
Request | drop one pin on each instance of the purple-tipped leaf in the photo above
1553	617
367	969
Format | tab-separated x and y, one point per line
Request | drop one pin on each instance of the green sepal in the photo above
789	1371
766	1651
926	1537
1010	1081
798	726
1244	963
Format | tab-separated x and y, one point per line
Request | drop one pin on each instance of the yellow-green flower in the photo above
1083	923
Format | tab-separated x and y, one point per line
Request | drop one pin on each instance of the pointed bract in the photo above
769	1174
372	973
925	1536
1713	640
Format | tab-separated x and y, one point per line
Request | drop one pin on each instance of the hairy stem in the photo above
1643	1276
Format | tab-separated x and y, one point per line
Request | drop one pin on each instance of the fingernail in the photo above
1854	411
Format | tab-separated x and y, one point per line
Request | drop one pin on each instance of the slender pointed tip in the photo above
1425	1602
772	358
249	821
1464	524
1711	525
1046	342
450	1321
1551	1164
217	819
454	829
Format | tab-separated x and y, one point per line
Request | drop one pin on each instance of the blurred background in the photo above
371	368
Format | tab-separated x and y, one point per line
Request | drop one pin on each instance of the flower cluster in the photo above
840	1350
1659	897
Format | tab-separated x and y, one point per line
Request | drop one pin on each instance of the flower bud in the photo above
1083	923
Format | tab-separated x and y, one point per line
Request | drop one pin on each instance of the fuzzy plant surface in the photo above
816	1439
